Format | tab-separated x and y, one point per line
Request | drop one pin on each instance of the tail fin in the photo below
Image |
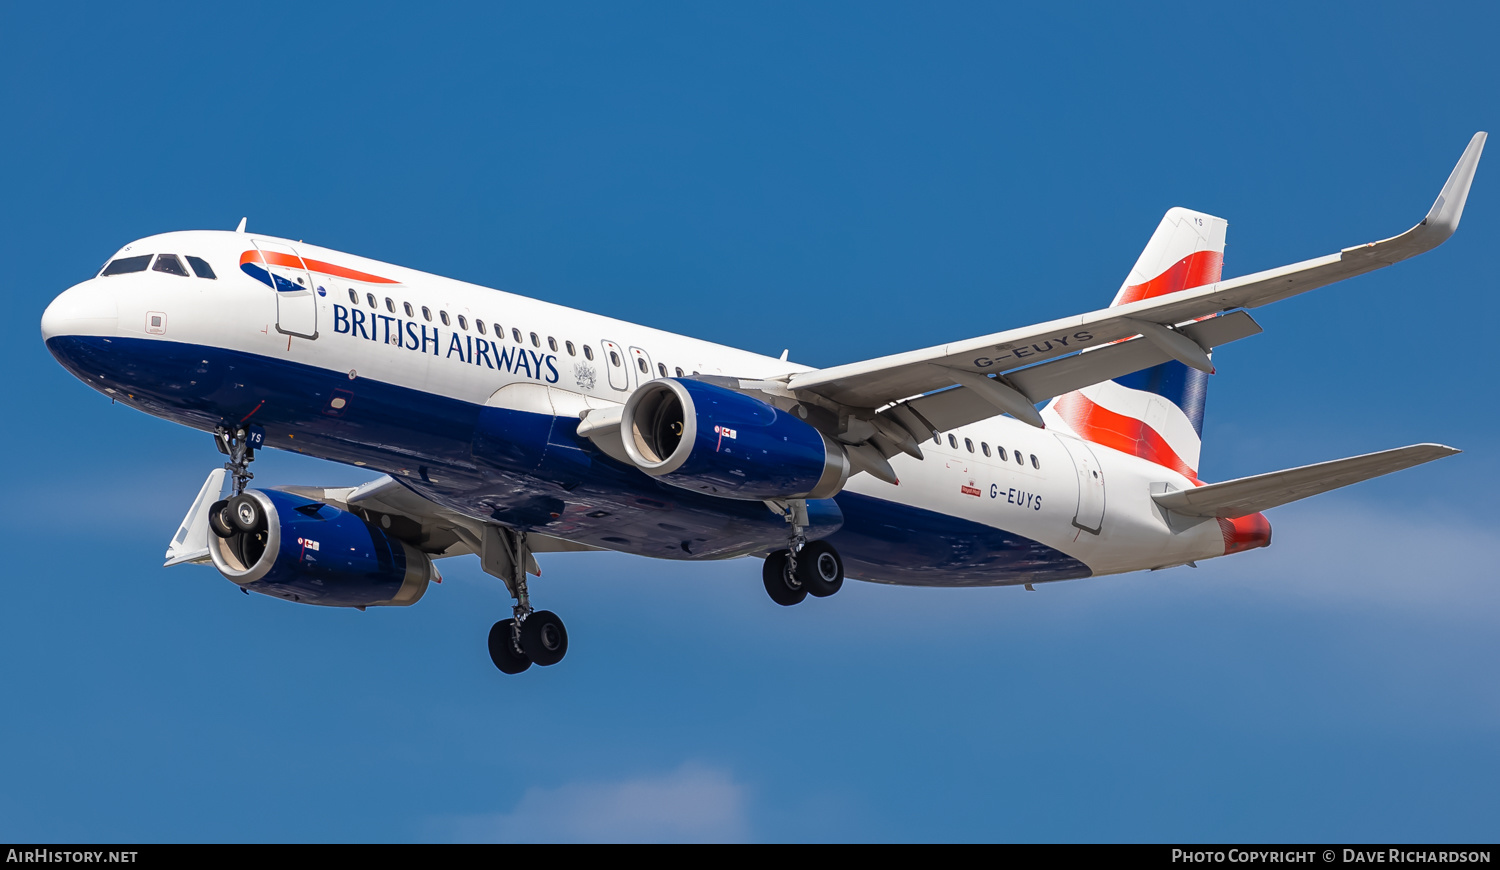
1156	414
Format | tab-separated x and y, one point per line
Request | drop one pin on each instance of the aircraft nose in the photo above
85	309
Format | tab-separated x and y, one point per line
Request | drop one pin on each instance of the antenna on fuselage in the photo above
785	353
241	227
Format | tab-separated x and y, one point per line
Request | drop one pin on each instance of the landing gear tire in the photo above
218	519
245	514
503	650
784	587
820	569
543	637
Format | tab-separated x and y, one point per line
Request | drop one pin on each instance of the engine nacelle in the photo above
704	437
315	553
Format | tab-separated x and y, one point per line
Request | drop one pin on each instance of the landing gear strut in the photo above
530	636
804	568
239	445
238	513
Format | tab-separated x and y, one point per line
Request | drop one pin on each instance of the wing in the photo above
1011	371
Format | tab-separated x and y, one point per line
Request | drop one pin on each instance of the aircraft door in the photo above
296	295
1090	514
640	366
615	363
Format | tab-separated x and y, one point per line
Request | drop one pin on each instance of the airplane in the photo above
508	427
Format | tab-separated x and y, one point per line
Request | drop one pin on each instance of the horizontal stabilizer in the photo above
1248	495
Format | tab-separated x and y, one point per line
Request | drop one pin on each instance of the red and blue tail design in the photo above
1156	414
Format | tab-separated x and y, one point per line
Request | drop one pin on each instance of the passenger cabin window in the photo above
588	352
463	323
678	370
499	331
390	305
1001	451
535	342
571	351
201	268
552	343
641	363
126	265
426	314
985	446
969	443
1019	459
170	264
479	325
952	442
1034	463
661	369
444	315
516	334
614	358
370	298
353	297
407	307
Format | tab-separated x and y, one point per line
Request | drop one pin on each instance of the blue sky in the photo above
845	180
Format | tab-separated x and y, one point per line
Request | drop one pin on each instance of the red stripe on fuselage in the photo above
1194	270
277	259
1099	425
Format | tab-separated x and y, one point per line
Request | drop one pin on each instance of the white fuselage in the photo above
574	360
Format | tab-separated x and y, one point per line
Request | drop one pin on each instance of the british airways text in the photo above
472	349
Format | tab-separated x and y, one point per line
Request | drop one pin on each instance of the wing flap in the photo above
1248	495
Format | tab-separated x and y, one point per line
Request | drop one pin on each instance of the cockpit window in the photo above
201	268
170	264
125	265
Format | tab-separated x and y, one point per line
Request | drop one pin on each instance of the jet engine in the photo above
704	437
295	548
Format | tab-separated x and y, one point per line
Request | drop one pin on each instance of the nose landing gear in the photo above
239	445
237	514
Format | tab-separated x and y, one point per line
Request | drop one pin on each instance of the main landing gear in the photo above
804	568
530	636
